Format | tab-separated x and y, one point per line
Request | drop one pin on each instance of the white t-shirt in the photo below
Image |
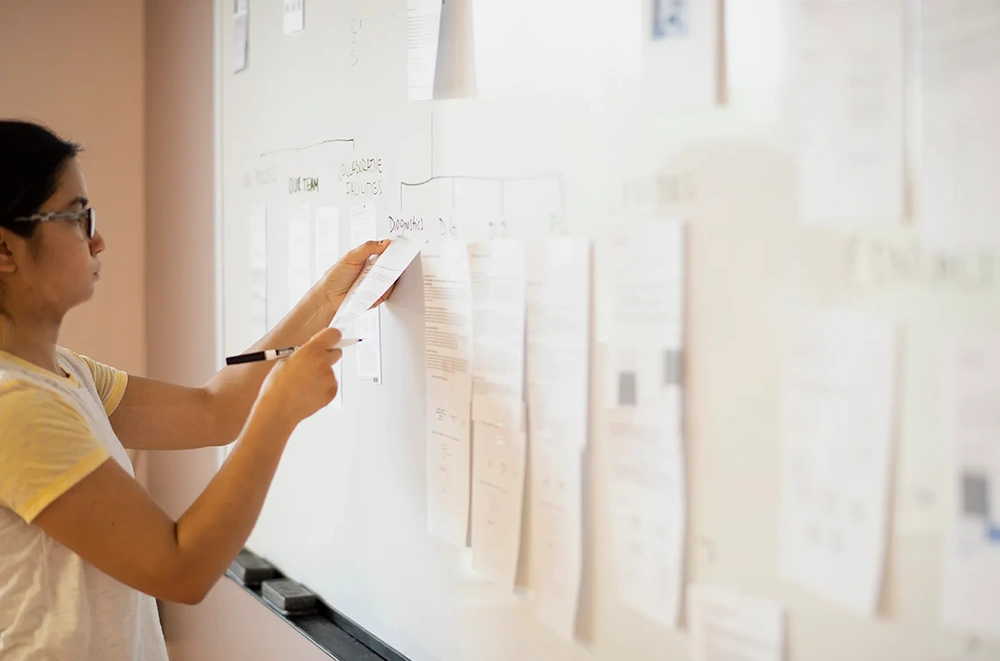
54	431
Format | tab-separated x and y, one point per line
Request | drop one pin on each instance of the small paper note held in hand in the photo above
375	280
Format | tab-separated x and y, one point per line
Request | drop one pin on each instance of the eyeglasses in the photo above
86	217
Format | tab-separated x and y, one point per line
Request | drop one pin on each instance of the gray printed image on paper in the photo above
671	19
671	368
976	495
627	389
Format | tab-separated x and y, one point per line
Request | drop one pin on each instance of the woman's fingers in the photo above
366	251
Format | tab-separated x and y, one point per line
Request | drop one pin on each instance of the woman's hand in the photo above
303	383
338	280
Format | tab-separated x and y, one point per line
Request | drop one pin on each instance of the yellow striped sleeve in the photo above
110	382
46	447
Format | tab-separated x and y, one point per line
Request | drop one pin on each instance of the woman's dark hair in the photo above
31	160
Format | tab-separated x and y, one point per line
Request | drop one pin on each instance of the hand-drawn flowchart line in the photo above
501	180
306	147
296	184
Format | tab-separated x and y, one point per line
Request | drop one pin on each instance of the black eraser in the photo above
288	596
251	570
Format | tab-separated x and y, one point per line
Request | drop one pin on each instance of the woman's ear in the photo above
7	262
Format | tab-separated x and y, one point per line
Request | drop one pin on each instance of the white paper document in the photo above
680	61
756	42
558	359
299	253
557	536
326	245
423	30
367	323
971	585
837	423
362	224
257	221
644	417
726	625
645	269
498	280
497	500
326	253
375	280
368	328
294	16
448	352
497	269
846	61
960	199
648	507
558	340
241	34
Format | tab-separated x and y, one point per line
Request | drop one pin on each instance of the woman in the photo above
84	550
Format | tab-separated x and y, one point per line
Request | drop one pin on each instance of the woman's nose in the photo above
97	244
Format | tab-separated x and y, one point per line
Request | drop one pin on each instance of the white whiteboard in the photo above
345	515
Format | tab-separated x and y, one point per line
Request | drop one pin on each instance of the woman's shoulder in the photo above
70	356
16	380
107	382
28	388
84	362
22	397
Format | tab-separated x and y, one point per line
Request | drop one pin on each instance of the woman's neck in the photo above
33	342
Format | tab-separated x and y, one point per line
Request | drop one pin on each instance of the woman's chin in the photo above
88	294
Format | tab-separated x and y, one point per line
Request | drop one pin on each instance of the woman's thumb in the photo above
326	339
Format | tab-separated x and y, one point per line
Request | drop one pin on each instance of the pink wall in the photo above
133	80
180	274
77	66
